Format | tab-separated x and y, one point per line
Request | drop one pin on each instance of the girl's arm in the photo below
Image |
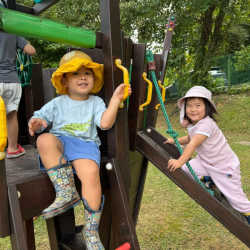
183	140
109	115
188	152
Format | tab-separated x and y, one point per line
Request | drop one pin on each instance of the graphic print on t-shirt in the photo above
77	127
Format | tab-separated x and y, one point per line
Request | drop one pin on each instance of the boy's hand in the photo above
119	92
173	165
170	141
36	124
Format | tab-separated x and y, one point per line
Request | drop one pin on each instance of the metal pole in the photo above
229	74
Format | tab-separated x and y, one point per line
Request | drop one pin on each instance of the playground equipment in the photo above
125	151
24	66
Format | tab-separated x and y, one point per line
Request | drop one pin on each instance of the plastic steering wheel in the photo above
24	67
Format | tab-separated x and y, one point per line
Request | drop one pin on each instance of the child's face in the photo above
195	109
79	83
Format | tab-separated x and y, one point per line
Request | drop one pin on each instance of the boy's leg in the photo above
61	175
50	150
12	128
88	172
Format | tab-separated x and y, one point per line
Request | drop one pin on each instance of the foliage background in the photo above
205	31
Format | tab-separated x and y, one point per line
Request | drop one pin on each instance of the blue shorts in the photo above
75	148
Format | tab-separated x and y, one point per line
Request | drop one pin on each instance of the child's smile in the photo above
195	109
79	83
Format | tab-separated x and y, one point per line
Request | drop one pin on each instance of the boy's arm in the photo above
188	152
29	49
109	115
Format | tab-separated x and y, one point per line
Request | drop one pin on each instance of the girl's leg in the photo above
88	172
50	150
228	179
197	167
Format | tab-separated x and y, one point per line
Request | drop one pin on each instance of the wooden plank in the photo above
137	84
4	210
151	111
111	44
140	191
166	45
98	40
10	4
44	5
160	139
30	236
121	208
159	157
17	218
143	99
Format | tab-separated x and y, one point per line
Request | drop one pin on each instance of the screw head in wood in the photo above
149	130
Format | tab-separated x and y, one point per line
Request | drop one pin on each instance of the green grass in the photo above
170	219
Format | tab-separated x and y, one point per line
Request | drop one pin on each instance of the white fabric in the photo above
227	178
11	94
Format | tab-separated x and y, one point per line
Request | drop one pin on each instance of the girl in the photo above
214	158
73	137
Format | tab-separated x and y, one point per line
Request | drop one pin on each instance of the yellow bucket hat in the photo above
73	61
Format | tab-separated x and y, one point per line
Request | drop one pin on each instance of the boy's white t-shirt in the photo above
215	150
73	118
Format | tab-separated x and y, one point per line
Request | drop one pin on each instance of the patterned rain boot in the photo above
90	230
209	184
247	217
67	197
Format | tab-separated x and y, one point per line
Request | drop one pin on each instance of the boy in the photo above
10	87
75	115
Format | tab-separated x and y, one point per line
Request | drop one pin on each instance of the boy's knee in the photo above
44	141
91	175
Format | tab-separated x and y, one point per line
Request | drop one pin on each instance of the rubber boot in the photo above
67	197
247	217
90	230
209	183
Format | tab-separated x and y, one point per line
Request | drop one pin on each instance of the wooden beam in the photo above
4	208
10	4
44	5
126	230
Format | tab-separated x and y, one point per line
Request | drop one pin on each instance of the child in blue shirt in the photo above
73	137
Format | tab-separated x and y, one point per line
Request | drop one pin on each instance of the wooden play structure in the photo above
126	148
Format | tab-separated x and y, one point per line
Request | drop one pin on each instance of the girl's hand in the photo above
173	165
119	92
36	124
170	141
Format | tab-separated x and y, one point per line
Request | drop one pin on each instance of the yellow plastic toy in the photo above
118	63
163	93
150	90
3	129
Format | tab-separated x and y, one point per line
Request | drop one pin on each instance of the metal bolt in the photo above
19	194
109	166
149	130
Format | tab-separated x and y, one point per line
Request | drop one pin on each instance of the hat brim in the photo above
73	66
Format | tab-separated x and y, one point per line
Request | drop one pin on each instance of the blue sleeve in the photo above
21	42
46	113
99	107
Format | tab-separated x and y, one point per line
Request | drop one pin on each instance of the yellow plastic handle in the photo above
118	63
150	90
3	129
163	93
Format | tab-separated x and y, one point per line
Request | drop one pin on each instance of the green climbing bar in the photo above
21	24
